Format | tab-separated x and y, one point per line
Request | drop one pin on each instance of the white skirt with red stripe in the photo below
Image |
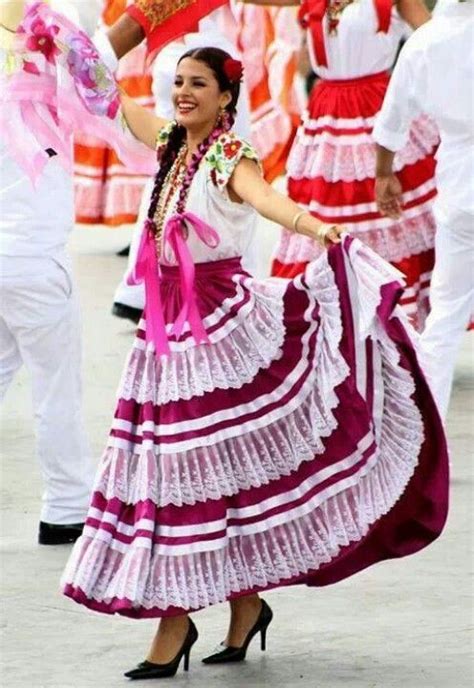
331	172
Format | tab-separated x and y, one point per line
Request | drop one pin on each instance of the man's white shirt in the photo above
435	75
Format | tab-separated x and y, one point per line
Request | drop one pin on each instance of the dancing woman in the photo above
331	167
268	432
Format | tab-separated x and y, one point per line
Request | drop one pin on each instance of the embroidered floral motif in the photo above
232	148
41	37
159	11
94	84
224	155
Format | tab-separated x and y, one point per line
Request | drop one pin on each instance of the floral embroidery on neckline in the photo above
222	157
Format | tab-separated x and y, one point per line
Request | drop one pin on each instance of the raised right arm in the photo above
143	124
124	35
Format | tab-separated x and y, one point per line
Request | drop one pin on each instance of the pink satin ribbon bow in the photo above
147	270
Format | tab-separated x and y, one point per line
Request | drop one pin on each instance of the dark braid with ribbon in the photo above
166	160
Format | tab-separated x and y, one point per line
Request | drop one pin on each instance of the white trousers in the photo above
40	328
134	295
452	301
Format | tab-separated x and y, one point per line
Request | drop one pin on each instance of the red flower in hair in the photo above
233	69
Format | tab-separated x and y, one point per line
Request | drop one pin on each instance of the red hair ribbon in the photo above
311	15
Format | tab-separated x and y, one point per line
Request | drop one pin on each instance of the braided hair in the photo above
215	59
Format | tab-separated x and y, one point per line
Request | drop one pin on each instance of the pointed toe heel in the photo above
148	670
238	654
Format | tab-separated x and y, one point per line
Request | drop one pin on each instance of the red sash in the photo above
164	21
312	13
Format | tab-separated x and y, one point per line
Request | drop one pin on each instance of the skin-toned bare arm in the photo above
414	12
388	190
248	185
125	35
143	124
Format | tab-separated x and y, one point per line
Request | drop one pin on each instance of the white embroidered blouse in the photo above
208	198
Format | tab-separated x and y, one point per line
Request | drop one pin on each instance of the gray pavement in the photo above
401	624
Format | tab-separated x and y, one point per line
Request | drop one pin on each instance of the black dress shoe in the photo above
150	670
124	252
238	654
120	310
52	534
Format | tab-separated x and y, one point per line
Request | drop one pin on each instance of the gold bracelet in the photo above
297	218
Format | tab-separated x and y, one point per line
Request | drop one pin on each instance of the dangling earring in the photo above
224	119
220	122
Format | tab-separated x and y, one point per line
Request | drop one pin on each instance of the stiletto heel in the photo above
238	654
151	670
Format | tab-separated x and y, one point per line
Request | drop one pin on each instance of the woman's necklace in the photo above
335	10
172	182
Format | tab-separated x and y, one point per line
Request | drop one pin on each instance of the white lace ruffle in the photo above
105	570
349	158
400	240
235	354
148	579
252	459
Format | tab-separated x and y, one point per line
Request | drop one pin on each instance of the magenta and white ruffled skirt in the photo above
300	445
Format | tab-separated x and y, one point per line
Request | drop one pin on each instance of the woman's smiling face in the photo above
196	95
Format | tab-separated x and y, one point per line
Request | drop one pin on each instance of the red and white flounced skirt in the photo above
300	444
331	172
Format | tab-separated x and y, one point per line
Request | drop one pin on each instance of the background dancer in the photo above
263	435
331	168
447	39
269	39
39	310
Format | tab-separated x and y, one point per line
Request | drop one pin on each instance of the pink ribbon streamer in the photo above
147	270
40	108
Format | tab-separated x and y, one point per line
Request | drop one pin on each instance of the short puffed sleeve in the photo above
224	156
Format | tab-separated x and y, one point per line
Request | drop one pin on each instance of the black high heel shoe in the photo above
150	670
238	654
